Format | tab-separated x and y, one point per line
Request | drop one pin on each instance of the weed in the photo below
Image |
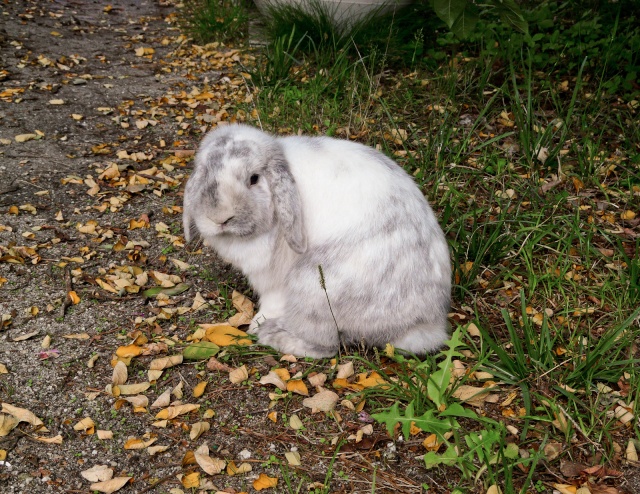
215	20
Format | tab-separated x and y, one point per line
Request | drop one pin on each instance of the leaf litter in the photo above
120	258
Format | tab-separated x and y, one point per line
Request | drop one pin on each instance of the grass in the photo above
527	147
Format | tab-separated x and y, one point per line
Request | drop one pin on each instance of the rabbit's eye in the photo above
254	179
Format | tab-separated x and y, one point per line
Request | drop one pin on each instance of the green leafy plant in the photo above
215	20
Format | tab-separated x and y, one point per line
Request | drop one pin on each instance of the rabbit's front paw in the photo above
270	333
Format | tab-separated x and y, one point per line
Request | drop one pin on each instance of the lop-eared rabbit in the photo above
285	209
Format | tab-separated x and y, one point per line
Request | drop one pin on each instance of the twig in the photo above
577	426
153	486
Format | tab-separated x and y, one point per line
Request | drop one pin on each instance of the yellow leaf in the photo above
128	351
56	102
371	380
273	416
49	440
298	387
223	334
74	297
232	469
77	116
135	443
198	391
264	482
85	425
627	215
120	373
191	480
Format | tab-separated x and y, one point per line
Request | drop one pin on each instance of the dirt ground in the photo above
107	117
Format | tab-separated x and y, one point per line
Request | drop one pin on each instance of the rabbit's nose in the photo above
226	222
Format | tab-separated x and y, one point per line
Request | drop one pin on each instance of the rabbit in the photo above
285	210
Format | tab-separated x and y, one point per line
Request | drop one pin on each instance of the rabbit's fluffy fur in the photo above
277	208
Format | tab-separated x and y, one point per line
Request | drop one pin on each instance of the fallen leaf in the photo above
163	400
7	424
295	423
22	414
224	335
297	386
85	425
264	482
191	480
293	458
98	473
232	469
120	373
104	435
25	137
324	401
128	351
198	390
212	466
198	429
239	375
136	443
165	362
152	450
173	411
345	370
273	378
200	350
112	485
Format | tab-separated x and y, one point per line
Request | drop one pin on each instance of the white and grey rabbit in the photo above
278	208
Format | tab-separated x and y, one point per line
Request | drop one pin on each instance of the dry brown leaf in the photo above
135	443
133	389
273	378
120	373
77	336
631	454
215	364
345	371
324	401
7	424
265	482
140	402
165	362
85	425
317	379
212	466
174	411
565	488
111	485
104	435
245	309
232	469
98	473
49	440
239	375
198	429
163	400
22	414
152	450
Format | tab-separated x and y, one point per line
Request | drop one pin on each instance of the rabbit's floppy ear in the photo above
287	203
